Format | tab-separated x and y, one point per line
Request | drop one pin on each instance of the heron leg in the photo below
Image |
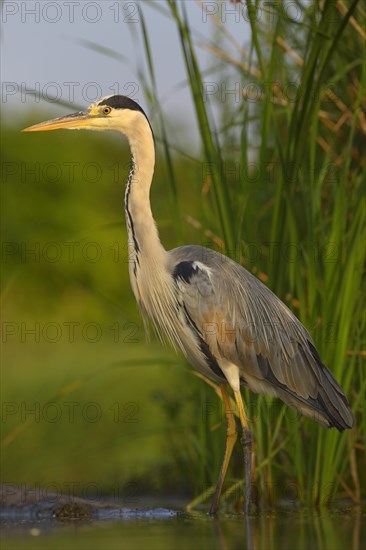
231	437
246	441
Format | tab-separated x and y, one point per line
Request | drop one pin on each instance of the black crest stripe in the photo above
124	102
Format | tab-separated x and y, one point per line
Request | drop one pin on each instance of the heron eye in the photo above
106	110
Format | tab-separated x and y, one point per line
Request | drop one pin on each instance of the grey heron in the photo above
228	324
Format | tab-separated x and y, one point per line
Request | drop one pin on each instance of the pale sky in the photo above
42	48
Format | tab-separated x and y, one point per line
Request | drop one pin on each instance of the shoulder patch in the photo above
185	271
193	277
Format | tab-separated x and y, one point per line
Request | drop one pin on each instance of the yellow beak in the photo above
70	122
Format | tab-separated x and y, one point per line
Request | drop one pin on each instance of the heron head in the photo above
115	112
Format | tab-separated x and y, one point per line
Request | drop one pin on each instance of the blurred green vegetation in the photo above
278	185
85	400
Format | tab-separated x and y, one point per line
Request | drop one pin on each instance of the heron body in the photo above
227	323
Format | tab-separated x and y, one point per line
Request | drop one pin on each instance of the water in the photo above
171	529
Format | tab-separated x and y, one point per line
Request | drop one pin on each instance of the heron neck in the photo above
142	231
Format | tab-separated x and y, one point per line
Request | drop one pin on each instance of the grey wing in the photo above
244	323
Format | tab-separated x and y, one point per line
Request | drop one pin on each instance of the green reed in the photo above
303	205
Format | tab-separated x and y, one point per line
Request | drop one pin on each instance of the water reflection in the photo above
300	529
224	543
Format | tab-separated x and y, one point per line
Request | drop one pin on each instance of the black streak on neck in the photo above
128	213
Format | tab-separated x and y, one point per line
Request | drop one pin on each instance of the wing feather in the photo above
244	323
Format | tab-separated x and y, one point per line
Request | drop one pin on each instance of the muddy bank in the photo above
21	502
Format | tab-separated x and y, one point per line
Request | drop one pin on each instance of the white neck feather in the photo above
150	278
142	230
